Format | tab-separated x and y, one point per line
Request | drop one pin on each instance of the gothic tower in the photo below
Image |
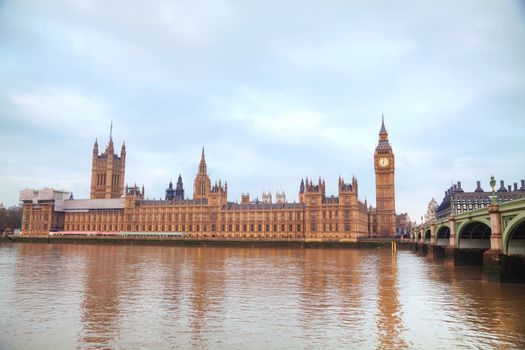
107	171
179	191
385	193
202	183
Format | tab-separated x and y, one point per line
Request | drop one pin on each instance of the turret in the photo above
179	190
502	186
478	187
108	171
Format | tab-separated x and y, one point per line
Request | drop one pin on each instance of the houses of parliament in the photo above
114	207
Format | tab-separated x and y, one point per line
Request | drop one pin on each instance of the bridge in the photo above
493	236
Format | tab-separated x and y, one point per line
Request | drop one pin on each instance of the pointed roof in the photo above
383	144
383	129
202	164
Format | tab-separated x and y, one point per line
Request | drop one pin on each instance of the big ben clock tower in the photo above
385	193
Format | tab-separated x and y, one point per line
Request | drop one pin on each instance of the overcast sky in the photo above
274	91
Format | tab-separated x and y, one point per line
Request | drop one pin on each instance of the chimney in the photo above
459	187
478	187
522	188
509	188
515	186
502	186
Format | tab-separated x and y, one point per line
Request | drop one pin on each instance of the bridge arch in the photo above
514	236
427	236
443	235
474	234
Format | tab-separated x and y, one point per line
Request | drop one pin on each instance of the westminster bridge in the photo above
493	236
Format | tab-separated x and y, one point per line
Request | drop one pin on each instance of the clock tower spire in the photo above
385	192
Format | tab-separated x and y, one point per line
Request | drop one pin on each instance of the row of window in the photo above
189	228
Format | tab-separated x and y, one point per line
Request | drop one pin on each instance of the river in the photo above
89	296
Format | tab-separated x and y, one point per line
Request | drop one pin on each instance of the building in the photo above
430	215
403	224
385	193
115	208
457	201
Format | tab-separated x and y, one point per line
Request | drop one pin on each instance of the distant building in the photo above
431	211
457	201
403	224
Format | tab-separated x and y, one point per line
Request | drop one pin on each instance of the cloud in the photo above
285	120
59	108
273	90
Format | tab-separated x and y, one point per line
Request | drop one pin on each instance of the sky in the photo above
273	90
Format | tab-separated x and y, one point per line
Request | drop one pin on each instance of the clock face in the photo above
383	162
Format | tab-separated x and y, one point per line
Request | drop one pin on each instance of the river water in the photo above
66	296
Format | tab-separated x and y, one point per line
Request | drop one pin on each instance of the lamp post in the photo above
493	197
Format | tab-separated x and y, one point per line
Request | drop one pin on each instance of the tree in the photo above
10	218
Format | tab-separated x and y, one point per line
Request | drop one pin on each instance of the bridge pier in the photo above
437	251
497	266
449	249
493	258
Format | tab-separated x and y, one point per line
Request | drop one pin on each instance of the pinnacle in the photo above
383	129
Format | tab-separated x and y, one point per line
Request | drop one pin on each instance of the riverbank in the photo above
298	243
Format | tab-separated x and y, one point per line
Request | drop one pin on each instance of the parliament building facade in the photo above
116	208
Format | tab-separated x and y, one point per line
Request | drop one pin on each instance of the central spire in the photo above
202	164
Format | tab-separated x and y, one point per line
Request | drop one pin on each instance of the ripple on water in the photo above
90	296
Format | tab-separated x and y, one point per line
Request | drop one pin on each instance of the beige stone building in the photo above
116	209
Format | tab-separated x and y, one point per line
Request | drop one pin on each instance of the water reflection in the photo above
101	302
390	317
139	297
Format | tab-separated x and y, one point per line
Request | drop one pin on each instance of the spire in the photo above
110	148
202	165
383	129
383	136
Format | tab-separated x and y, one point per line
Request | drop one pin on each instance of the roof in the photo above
44	194
88	204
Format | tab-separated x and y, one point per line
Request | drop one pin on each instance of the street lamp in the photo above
493	198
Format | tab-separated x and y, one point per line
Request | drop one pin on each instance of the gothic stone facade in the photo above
209	214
